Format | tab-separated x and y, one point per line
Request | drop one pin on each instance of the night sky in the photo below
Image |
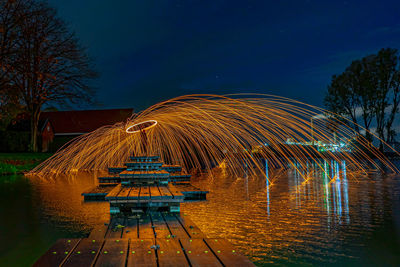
147	51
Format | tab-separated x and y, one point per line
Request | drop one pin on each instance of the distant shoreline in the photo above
18	163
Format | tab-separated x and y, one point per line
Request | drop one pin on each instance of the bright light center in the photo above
144	125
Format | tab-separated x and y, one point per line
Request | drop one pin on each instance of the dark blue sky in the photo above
147	51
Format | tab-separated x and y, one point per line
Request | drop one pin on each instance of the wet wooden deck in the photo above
156	239
143	194
173	192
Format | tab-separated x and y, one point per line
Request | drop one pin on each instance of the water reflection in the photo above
312	214
61	201
321	213
325	184
267	185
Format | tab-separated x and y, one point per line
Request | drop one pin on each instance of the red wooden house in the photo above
58	127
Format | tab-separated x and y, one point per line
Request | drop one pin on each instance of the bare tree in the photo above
48	64
11	13
370	86
386	67
341	98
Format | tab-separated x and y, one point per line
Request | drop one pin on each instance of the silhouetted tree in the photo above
10	106
364	79
46	63
11	13
386	67
368	88
342	99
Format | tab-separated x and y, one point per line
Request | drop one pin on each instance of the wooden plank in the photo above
170	253
99	232
175	192
116	169
147	174
124	193
85	253
134	165
110	227
190	227
227	253
131	228
141	254
57	253
199	253
164	192
113	253
109	185
145	227
160	227
116	227
175	226
134	193
144	193
113	193
155	193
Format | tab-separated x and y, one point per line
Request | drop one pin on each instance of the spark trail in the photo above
204	131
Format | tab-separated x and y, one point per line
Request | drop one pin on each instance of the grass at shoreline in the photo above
12	163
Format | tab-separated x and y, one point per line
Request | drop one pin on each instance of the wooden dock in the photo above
172	192
148	231
154	239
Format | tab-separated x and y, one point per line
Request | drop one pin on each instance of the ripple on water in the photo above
293	221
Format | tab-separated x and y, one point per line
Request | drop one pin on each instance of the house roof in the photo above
84	121
73	122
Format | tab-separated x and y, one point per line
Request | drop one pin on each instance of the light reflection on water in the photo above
35	213
300	216
305	216
63	203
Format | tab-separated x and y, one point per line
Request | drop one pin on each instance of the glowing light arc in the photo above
137	127
199	132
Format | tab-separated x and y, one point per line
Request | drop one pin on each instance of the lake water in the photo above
303	217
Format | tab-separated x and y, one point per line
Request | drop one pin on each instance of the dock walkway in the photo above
153	193
154	239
